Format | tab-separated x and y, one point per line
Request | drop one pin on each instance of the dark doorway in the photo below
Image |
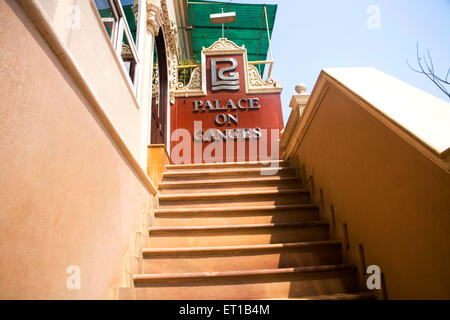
160	92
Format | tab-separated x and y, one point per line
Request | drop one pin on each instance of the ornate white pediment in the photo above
224	46
257	84
194	86
253	80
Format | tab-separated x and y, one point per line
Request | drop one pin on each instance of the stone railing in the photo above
375	154
298	105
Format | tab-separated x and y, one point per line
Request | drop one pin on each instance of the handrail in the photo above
270	62
261	62
188	66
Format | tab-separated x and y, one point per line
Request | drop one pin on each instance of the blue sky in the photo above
315	34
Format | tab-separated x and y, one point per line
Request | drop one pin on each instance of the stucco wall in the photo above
77	24
395	200
68	196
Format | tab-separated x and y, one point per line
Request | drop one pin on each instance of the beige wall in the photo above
91	50
394	199
69	197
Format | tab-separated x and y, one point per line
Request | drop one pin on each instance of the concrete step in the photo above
227	173
229	185
253	284
225	165
344	296
240	231
246	257
235	199
235	215
232	235
336	296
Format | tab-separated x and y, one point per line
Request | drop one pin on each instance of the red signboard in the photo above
233	116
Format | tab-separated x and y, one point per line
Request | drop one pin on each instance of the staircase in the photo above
230	231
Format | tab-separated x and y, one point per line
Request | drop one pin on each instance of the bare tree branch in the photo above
430	73
431	61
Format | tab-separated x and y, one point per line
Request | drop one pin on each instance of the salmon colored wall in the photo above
158	161
68	195
395	201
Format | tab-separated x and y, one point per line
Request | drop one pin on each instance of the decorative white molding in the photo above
155	84
158	18
154	19
135	9
257	84
298	105
194	87
195	82
224	46
300	88
171	37
298	101
253	81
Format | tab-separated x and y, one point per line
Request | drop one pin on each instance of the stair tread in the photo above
230	194
226	274
342	296
242	226
198	252
222	171
220	164
165	184
237	209
336	296
184	250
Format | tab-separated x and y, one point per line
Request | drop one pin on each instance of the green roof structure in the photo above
249	29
